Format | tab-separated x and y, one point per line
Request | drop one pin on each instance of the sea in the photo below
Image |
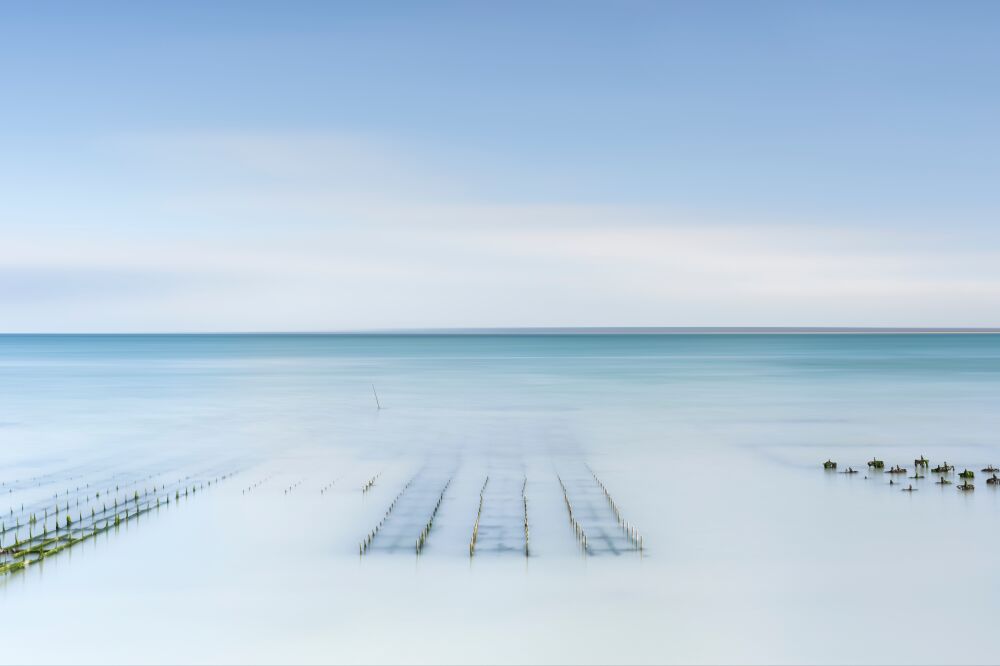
499	497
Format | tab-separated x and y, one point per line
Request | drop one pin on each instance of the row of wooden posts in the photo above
370	483
524	500
581	535
430	521
363	548
33	517
42	545
631	533
256	485
479	514
34	510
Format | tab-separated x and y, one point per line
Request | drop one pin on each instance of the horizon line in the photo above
559	330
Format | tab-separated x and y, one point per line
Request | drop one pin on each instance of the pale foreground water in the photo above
711	445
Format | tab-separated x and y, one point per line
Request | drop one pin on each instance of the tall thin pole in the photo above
377	403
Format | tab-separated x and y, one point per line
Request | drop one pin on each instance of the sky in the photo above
317	166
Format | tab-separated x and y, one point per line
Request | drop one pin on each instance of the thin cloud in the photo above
227	231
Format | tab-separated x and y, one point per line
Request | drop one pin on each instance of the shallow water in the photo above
710	444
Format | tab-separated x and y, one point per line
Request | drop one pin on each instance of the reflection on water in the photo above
708	448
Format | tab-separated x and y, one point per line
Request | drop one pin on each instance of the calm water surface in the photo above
711	445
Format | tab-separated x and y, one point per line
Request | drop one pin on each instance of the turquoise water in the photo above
710	445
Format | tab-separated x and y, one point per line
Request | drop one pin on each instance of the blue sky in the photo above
316	166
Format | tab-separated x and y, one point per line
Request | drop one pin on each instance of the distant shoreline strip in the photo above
596	331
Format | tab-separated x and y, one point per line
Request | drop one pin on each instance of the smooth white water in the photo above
711	445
